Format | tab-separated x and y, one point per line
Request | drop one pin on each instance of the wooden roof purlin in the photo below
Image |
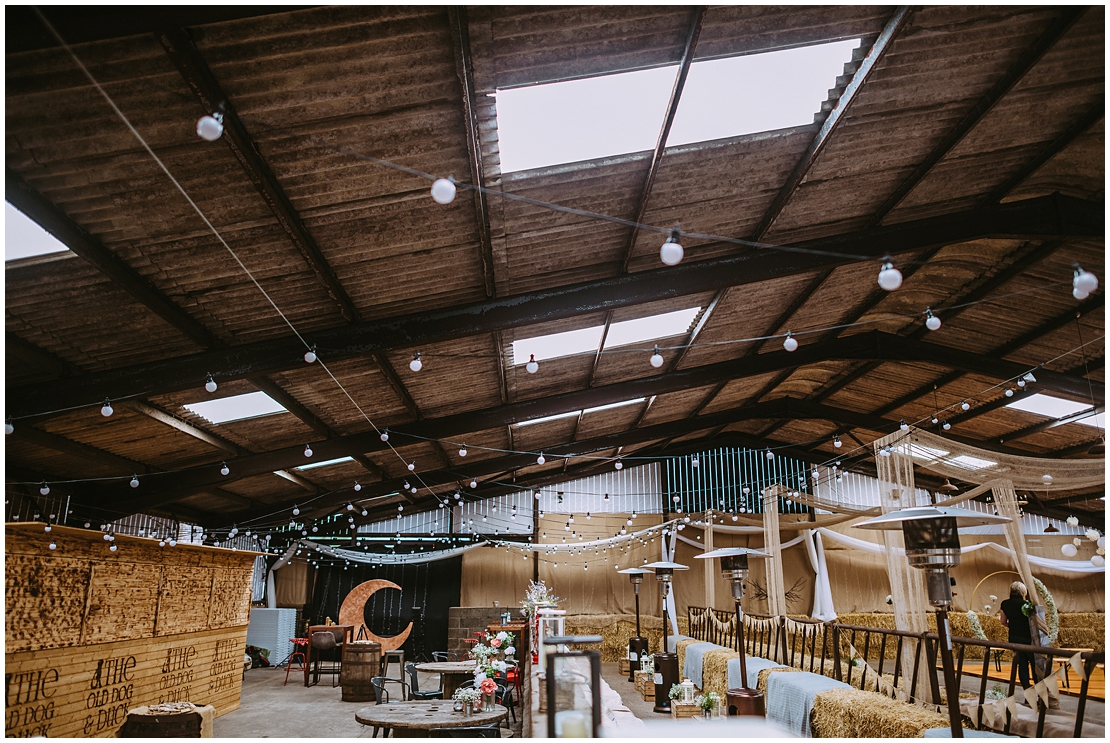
985	202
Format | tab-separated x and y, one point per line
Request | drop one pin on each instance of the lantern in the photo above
551	623
573	687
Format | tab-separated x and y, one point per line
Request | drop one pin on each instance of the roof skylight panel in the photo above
235	408
606	115
327	463
587	340
1049	406
630	332
24	237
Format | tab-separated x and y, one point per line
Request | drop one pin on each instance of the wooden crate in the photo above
647	693
622	666
645	684
681	711
91	633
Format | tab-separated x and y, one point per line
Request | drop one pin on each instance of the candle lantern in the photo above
687	691
666	664
933	545
573	687
734	568
638	645
551	623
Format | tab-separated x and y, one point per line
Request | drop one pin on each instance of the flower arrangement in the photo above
467	694
538	595
976	628
995	692
675	692
1052	614
488	686
708	702
501	641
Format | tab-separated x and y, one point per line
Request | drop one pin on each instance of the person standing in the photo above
1013	616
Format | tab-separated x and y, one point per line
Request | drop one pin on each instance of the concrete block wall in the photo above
463	621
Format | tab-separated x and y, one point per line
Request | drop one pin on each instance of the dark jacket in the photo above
1018	622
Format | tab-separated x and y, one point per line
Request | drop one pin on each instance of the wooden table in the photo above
454	673
348	633
416	719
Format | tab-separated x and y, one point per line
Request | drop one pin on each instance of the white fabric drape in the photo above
822	588
271	590
668	555
776	590
1005	502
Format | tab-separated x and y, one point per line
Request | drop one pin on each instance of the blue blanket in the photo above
695	654
790	698
672	642
754	666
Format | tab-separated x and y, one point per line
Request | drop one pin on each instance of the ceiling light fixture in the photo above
671	252
310	355
443	190
932	322
791	343
890	278
416	364
210	126
106	408
532	367
656	358
210	384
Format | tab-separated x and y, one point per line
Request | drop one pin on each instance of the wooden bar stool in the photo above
299	644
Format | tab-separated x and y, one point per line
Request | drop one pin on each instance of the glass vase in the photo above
489	702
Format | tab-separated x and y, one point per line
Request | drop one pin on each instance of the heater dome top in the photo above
731	552
634	571
664	565
963	517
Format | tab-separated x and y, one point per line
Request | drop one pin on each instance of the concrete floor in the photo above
269	710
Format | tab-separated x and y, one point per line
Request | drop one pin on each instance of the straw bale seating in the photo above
851	713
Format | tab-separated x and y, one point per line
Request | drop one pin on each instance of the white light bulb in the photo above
473	484
350	507
384	436
946	425
656	358
462	450
671	252
53	545
903	425
9	428
532	366
416	364
210	385
443	191
1079	294
1046	479
412	466
837	442
932	322
619	465
540	459
296	511
134	481
413	489
1068	550
791	343
965	405
210	127
890	278
307	451
112	548
310	355
1009	392
1021	383
694	463
770	455
225	470
45	489
47	528
106	409
1085	281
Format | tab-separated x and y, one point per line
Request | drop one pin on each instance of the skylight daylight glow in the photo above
554	123
971	463
1049	406
236	408
23	237
624	333
576	413
328	463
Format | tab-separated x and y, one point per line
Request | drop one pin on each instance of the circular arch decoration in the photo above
353	612
997	572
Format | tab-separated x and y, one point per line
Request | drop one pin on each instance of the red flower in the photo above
495	642
488	686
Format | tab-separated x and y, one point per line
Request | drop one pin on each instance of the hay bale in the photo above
851	713
714	671
762	683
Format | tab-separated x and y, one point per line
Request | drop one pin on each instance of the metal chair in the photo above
299	644
482	731
504	697
410	668
323	641
381	694
446	656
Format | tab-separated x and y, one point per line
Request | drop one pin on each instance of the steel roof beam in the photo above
1043	218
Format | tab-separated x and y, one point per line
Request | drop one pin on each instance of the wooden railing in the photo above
871	658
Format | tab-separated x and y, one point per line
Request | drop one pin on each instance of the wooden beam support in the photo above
1093	115
882	43
83	451
1047	217
198	76
69	233
151	411
32	355
1056	29
1036	428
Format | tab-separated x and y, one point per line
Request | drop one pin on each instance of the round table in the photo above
454	673
416	719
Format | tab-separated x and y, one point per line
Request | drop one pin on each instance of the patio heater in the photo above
666	664
734	569
637	646
933	545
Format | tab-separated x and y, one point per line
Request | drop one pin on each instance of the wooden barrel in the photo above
182	725
362	661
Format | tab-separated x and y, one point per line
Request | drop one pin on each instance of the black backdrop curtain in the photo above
433	586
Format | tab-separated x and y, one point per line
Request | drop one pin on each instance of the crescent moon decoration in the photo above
353	610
